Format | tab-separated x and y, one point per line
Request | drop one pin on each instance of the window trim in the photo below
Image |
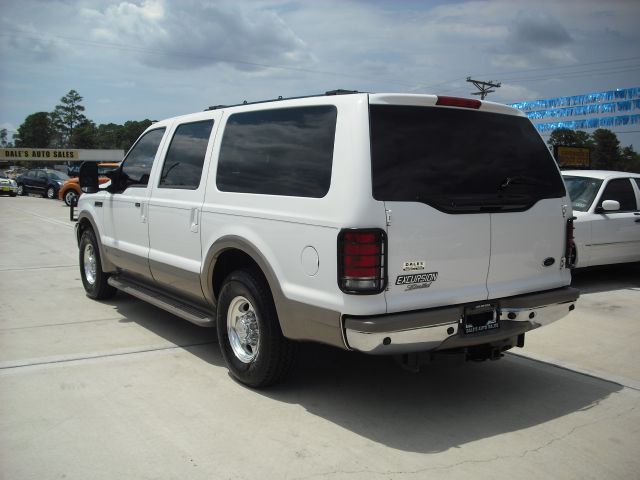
204	158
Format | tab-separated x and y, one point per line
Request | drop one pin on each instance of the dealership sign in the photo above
38	154
61	154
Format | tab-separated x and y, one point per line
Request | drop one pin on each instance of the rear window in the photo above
459	161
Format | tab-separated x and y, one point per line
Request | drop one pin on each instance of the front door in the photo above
126	234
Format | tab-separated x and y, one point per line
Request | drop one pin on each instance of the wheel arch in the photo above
85	222
298	321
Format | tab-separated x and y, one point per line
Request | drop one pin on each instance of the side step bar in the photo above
183	310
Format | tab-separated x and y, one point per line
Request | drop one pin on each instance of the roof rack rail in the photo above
328	93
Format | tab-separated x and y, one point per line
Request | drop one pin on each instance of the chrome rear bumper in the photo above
441	328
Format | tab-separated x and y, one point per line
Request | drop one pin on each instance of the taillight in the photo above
361	261
458	102
570	256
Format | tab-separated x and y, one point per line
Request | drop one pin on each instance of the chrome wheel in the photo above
70	198
51	193
243	329
90	264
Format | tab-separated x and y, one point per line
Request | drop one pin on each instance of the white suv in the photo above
383	223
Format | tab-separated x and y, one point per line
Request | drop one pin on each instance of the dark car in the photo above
41	181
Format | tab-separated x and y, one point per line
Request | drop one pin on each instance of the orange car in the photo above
70	190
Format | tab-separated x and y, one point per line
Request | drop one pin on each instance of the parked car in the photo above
70	190
41	181
389	224
607	209
8	186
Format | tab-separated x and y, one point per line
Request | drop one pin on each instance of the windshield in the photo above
459	160
582	190
58	176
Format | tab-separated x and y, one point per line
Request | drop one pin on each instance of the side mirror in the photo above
610	206
89	177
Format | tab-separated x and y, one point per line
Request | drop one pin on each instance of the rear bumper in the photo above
441	328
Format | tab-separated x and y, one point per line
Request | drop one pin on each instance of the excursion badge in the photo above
417	280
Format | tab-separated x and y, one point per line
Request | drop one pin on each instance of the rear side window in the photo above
620	190
137	165
183	163
459	160
286	151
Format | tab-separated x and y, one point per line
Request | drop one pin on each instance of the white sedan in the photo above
607	209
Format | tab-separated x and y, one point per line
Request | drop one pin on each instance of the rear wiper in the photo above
521	180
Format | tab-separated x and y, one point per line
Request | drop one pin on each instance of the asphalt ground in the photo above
121	389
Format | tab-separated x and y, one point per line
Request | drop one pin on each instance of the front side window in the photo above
620	190
582	190
137	165
287	151
185	157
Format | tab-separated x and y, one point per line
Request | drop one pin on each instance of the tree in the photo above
67	116
569	138
629	160
4	142
84	135
606	150
131	131
109	135
36	131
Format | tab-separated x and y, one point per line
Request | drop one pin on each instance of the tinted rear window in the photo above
286	151
459	161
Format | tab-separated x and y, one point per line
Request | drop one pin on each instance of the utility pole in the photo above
483	87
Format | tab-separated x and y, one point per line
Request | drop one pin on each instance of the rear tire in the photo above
50	193
94	280
252	344
21	190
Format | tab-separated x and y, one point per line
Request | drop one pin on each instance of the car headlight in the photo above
59	183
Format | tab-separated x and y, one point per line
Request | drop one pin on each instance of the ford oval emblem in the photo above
549	261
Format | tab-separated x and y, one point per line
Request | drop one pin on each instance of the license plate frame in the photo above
479	319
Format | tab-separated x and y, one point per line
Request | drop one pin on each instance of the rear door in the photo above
452	179
175	208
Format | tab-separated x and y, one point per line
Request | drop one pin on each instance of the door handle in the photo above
137	204
194	220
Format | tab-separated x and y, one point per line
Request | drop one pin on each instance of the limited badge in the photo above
417	280
413	266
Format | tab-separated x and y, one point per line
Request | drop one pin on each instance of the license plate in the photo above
480	318
5	189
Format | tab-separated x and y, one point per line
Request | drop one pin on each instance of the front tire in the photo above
252	344
70	198
94	279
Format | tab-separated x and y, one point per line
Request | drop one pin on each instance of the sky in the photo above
132	60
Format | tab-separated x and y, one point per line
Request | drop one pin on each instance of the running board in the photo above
183	310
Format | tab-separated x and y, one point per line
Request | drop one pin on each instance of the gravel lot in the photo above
121	389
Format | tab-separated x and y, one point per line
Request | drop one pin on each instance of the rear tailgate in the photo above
461	185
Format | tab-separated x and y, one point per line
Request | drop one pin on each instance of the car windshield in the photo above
58	176
582	190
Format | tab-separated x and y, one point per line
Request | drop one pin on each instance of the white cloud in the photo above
192	34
